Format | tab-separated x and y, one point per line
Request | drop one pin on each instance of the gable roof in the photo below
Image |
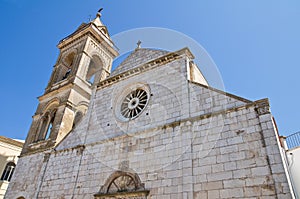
138	57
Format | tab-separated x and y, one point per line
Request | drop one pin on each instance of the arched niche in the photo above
122	184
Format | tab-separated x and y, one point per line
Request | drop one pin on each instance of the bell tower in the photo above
85	59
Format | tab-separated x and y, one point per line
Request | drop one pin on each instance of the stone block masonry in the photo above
190	142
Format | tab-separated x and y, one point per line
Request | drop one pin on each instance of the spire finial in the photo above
99	12
138	44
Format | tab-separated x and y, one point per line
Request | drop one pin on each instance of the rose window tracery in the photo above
134	103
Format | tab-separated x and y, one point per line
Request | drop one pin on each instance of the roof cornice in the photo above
92	30
147	66
11	141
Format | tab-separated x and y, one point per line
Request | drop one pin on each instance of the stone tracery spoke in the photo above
134	103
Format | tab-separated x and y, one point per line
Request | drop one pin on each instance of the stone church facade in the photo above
152	128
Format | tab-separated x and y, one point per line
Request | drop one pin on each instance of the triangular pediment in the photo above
138	57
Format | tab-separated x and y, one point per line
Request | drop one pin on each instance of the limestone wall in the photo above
191	141
28	173
189	159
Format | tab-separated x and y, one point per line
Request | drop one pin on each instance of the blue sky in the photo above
255	45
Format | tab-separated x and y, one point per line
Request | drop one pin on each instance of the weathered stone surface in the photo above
190	141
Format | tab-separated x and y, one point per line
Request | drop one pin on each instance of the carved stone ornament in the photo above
122	185
263	106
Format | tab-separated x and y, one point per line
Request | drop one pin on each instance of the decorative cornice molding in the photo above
79	149
123	195
93	33
51	150
100	51
74	46
59	88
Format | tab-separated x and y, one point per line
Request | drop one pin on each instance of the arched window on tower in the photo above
46	125
94	70
49	128
8	171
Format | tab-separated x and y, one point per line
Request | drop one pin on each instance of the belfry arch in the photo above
64	69
94	69
68	65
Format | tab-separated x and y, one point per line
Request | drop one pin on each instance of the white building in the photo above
291	147
9	151
152	128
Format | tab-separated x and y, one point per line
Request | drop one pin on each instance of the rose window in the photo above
134	103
